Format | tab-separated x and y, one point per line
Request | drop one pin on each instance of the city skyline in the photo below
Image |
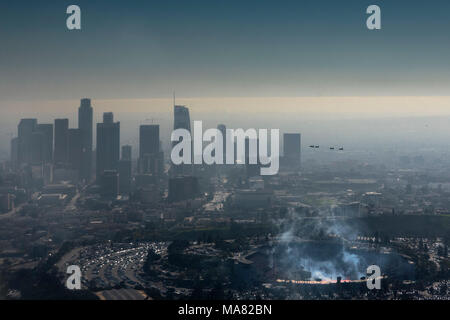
74	148
423	126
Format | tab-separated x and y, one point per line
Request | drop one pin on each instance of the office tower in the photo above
74	149
109	183
125	170
14	152
61	132
108	117
181	121
108	144
124	176
292	148
148	139
25	131
37	148
126	152
183	188
181	118
85	123
47	143
150	156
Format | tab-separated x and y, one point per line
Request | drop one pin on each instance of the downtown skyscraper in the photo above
47	142
126	152
85	125
125	170
61	141
74	150
108	145
150	155
25	129
35	142
182	120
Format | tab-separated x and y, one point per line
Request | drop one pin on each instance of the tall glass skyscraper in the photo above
85	123
182	120
61	132
108	144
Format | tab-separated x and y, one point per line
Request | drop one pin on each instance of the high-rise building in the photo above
126	152
150	156
37	148
61	132
124	176
125	170
74	149
181	121
14	152
26	129
47	143
108	144
108	117
85	123
292	148
148	139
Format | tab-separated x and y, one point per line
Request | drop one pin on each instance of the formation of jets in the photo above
331	148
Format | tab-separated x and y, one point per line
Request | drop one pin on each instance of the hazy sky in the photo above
234	48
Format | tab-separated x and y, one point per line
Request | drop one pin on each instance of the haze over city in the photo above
304	60
94	207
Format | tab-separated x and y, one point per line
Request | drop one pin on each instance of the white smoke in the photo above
325	259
